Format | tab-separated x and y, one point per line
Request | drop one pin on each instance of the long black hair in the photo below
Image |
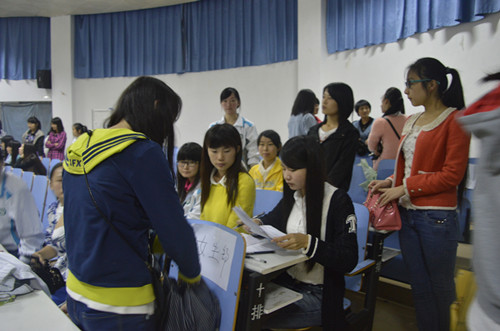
36	121
58	122
80	128
304	152
151	107
342	94
304	102
14	145
188	152
395	98
430	68
221	135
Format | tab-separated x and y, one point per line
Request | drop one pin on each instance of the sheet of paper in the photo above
271	231
254	228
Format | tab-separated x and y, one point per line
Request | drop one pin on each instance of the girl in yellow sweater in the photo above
268	174
224	181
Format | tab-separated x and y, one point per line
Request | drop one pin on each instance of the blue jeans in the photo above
90	319
300	314
429	241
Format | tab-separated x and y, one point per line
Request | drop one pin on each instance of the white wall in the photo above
268	92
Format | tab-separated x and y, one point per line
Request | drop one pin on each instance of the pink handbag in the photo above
383	218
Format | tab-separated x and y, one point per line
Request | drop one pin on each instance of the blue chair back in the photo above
353	283
356	192
49	199
27	176
385	168
18	172
221	268
266	200
46	163
39	192
8	168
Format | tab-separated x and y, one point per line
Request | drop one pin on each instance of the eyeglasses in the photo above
190	164
409	83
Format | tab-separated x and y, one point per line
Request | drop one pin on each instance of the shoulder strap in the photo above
392	126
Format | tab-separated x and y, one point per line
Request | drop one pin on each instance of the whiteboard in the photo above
99	116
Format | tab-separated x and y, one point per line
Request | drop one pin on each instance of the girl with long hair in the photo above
319	221
224	180
428	182
28	160
302	116
56	142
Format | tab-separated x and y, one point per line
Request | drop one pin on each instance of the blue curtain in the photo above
235	33
134	43
198	36
24	46
15	116
354	24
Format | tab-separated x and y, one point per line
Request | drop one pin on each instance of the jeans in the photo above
90	319
429	241
300	314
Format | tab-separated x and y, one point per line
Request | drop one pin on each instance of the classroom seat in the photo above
222	256
385	168
46	163
356	192
49	199
39	192
8	168
17	171
27	176
265	201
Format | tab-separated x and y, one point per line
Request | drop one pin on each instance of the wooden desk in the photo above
255	277
34	311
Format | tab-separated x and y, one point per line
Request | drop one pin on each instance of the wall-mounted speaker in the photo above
44	79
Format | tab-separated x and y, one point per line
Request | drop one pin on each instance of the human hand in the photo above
389	194
292	241
38	257
376	185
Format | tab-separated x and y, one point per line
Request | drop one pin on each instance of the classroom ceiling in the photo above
53	8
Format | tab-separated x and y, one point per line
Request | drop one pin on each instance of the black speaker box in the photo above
44	79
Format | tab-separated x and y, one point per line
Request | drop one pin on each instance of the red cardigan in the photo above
439	162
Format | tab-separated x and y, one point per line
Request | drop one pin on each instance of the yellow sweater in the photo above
217	210
274	179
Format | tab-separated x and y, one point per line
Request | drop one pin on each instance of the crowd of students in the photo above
118	185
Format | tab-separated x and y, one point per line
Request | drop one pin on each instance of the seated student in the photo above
224	181
55	243
21	231
188	179
268	174
29	161
319	220
4	141
13	152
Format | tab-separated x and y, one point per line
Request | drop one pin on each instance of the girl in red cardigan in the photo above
430	166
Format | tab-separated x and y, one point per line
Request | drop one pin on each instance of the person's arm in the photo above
39	146
251	148
341	172
28	226
57	142
375	135
154	187
245	198
340	251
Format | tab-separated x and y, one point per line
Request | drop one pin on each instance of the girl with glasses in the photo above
224	180
188	179
428	182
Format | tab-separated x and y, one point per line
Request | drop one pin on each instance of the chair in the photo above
356	192
18	172
266	200
49	199
39	192
8	168
46	163
385	168
27	176
221	251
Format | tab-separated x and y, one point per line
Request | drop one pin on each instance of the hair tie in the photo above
447	70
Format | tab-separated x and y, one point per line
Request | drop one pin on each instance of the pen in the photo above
260	252
256	258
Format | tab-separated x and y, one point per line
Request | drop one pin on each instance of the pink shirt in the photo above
382	132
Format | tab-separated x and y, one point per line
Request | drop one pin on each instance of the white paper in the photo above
216	251
254	228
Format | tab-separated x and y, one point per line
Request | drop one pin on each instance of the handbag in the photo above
50	275
382	217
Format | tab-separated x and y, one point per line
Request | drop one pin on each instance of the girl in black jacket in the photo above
338	137
319	220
